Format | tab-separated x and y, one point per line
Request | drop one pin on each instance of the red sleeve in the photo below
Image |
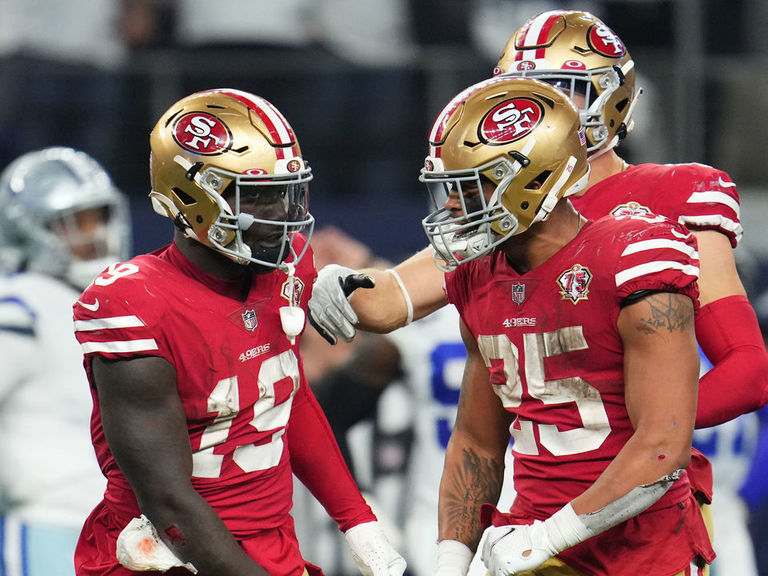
729	336
317	462
116	318
712	201
658	255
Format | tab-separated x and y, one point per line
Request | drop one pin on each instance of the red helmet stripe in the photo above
436	134
536	33
275	122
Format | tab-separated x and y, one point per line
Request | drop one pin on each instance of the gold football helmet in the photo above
578	53
217	151
520	137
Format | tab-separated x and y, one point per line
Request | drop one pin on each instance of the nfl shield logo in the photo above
518	293
250	321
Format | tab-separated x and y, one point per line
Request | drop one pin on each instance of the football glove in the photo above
372	552
139	548
330	312
510	550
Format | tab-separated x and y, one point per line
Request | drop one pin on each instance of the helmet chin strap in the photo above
607	147
292	317
552	197
580	184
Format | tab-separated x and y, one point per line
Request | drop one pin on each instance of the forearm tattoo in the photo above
476	481
666	311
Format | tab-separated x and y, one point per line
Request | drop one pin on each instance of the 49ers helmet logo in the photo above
510	120
202	133
605	42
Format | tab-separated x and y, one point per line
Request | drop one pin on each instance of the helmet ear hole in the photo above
183	197
538	181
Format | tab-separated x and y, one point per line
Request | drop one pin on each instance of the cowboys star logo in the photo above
574	283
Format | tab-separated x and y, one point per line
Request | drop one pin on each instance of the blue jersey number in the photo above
445	391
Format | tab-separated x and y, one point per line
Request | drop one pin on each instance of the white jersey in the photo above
48	470
433	357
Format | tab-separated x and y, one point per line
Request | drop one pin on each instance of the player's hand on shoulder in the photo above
372	552
330	312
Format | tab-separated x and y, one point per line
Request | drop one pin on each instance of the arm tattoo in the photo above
478	480
666	311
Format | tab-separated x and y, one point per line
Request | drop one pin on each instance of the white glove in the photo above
372	552
512	549
330	312
139	548
509	550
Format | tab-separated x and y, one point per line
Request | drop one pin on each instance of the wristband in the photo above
453	558
406	295
565	529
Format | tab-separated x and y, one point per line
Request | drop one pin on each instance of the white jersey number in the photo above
587	399
225	401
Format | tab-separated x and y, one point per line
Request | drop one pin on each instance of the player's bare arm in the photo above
718	277
661	373
386	307
474	462
146	428
343	301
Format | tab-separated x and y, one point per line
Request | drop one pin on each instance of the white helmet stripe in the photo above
535	34
277	125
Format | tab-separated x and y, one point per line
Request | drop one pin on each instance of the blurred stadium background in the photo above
361	81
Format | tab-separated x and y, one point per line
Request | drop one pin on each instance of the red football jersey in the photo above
694	195
551	341
237	374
